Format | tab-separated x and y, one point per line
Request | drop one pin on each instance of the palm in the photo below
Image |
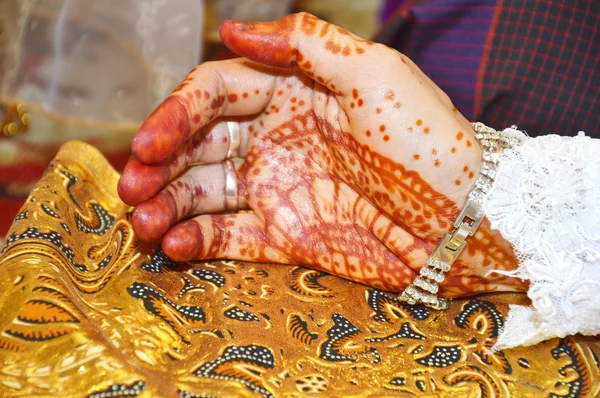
351	176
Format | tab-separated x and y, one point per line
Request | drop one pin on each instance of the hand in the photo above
354	162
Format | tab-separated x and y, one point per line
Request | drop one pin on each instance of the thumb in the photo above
327	53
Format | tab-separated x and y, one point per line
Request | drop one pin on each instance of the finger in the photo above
140	182
327	53
213	89
200	190
236	237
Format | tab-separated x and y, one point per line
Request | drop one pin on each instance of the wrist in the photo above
425	287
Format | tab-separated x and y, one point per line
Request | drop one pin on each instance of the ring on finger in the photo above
231	186
235	139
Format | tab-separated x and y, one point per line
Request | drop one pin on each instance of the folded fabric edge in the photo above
95	163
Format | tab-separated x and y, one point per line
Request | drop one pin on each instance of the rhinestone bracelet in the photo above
425	286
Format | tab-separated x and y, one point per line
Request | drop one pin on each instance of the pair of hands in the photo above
353	162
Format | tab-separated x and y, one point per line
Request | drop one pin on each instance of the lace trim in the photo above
546	202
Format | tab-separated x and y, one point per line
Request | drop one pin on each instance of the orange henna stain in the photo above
280	92
386	138
293	109
257	92
265	42
245	95
434	151
457	182
459	136
389	95
166	129
360	102
301	103
184	242
352	105
293	99
471	175
152	218
453	150
268	93
466	168
419	122
232	98
218	102
368	133
416	156
426	130
382	128
469	144
140	182
437	163
309	24
324	29
378	110
346	51
332	47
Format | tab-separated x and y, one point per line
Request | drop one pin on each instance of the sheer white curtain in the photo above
102	60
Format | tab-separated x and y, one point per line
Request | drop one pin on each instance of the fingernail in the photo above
241	25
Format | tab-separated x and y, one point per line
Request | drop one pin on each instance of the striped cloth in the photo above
533	63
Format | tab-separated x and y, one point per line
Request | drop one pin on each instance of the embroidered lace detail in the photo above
546	202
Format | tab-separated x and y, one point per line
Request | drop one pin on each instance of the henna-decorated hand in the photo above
354	162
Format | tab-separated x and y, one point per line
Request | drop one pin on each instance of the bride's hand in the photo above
353	161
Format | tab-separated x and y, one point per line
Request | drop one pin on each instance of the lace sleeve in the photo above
546	202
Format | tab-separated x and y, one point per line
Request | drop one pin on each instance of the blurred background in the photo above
92	70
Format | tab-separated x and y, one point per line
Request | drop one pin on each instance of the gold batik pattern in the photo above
88	310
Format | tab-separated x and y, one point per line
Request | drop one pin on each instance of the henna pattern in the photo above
326	188
342	241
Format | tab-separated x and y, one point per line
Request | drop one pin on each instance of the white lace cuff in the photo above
546	202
